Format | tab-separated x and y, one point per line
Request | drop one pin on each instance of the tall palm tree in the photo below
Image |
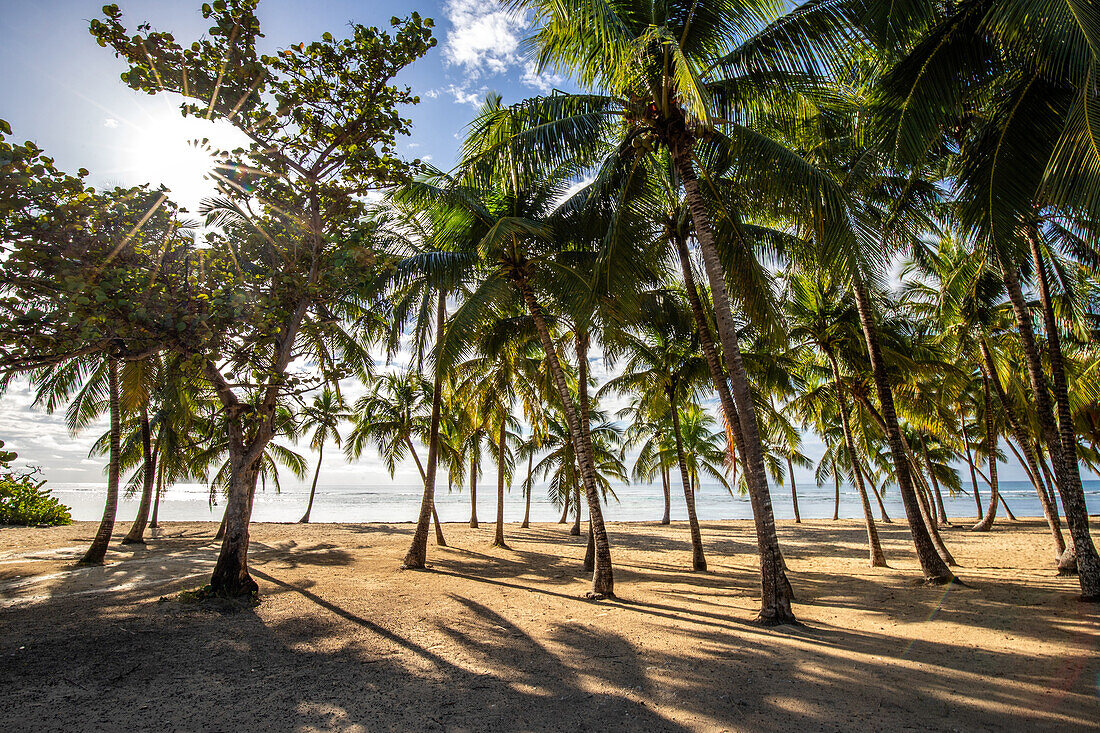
323	417
399	408
672	76
663	362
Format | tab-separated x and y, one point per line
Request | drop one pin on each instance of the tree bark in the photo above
973	477
136	535
698	561
590	551
154	523
231	577
603	581
527	493
991	446
417	556
498	540
575	530
98	549
313	487
1061	444
776	592
836	492
564	511
874	545
794	490
665	485
935	483
473	491
934	568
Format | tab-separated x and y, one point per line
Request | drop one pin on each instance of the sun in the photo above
180	153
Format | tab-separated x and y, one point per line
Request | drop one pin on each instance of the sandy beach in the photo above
502	640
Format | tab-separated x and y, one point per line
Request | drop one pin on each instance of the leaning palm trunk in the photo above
986	522
1066	472
923	491
313	487
417	556
935	482
874	546
1027	460
698	561
934	567
498	540
603	581
230	576
973	475
136	535
575	530
98	549
1088	562
776	593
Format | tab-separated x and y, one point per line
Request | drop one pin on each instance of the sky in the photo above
61	90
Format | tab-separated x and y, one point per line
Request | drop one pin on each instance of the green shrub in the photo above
24	501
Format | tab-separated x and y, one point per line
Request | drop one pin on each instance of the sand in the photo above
501	639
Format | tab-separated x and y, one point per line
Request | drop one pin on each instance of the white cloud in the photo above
544	83
484	36
110	122
464	95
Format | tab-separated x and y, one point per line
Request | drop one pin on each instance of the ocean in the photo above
401	503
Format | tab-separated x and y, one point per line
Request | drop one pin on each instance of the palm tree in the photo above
323	417
823	320
663	363
390	416
670	76
1015	104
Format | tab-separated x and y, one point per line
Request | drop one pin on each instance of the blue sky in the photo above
61	89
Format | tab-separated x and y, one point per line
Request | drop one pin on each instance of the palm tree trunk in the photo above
473	492
991	447
776	592
1025	459
603	580
98	549
498	540
440	540
934	568
973	476
923	492
590	551
1008	510
666	486
877	493
136	535
220	534
706	341
935	483
575	530
313	487
1060	445
836	492
564	512
874	545
417	556
154	522
527	493
794	490
698	561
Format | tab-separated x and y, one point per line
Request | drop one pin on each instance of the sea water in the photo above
397	502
